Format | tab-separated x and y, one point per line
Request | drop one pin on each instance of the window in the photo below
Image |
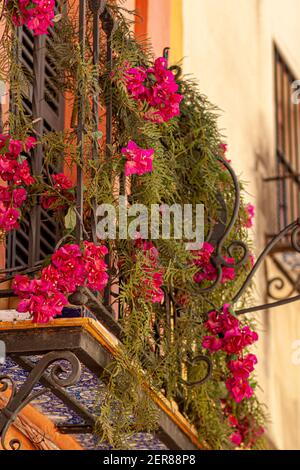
39	232
287	145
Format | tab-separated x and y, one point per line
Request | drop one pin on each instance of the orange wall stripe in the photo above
141	26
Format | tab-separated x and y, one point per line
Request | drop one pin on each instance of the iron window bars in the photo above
287	116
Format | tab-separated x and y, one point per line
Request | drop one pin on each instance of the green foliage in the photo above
159	340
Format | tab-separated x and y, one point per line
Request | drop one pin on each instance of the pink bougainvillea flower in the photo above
62	181
154	274
239	389
215	323
43	303
68	260
135	78
52	276
30	143
139	161
16	173
150	251
4	138
249	336
242	367
233	341
66	257
252	259
157	87
9	218
208	272
223	152
37	15
228	335
246	429
229	320
19	196
232	421
154	291
21	285
212	343
236	438
5	195
163	96
48	201
235	338
46	297
250	214
22	174
95	266
62	185
7	168
203	256
15	147
224	148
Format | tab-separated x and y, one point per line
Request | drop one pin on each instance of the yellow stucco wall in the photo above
176	33
228	46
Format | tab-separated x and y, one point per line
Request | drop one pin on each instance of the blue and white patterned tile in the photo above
88	392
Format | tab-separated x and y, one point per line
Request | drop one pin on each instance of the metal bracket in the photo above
294	231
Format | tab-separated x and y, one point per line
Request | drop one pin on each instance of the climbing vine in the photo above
166	149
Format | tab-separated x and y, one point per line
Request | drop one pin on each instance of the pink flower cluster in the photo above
15	170
154	275
246	431
62	188
139	161
207	271
224	148
95	266
157	87
250	214
229	336
223	152
70	268
37	15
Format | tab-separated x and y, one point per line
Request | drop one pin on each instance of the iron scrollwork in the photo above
60	375
221	232
294	230
172	304
198	360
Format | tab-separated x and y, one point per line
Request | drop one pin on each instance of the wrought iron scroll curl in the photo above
294	230
278	285
198	360
19	399
221	232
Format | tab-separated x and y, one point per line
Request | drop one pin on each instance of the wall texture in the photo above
228	46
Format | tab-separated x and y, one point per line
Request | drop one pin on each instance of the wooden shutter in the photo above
39	232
